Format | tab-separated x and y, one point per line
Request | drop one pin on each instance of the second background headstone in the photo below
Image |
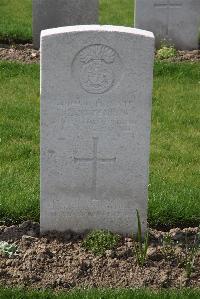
175	22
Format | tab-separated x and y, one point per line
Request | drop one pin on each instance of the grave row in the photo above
173	21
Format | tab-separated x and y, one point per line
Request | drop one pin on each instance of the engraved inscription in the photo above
168	5
97	68
94	159
97	113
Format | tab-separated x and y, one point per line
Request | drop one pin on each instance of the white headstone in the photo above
176	22
58	13
96	85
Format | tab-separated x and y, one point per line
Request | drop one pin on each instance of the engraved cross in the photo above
94	159
168	4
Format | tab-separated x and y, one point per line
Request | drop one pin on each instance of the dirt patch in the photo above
59	261
27	54
192	56
20	53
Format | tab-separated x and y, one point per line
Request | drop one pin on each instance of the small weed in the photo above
168	249
140	247
191	254
166	51
99	241
8	249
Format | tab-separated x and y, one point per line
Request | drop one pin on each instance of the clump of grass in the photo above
8	249
166	51
140	247
99	241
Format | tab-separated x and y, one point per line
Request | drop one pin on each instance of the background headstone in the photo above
96	85
58	13
174	21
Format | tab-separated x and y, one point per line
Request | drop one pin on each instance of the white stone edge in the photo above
98	28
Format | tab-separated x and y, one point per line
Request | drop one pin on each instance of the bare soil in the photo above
20	53
59	261
182	56
27	54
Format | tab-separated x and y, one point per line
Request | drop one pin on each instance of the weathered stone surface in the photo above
96	84
58	13
175	21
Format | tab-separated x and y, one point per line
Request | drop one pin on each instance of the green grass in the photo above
101	294
175	145
19	143
15	20
16	17
174	194
117	12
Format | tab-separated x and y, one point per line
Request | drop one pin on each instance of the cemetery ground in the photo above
61	261
174	180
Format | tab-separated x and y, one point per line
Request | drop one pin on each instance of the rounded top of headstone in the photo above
98	28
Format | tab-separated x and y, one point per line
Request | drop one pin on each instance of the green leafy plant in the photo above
8	249
99	241
140	247
166	51
191	252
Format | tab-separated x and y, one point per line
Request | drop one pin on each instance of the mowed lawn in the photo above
174	195
15	20
16	17
101	294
